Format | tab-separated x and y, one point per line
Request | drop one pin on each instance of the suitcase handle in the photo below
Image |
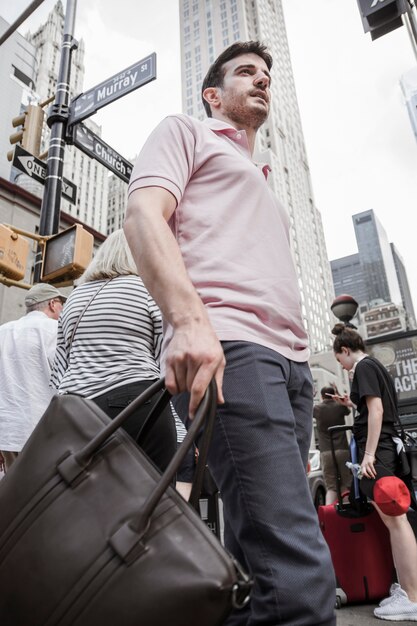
332	431
75	464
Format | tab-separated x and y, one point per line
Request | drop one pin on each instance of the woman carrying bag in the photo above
378	456
108	347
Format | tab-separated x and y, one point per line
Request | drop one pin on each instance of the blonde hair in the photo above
113	258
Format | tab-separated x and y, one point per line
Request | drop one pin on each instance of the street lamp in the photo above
344	307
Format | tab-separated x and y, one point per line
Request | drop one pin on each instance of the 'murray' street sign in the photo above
91	144
113	88
35	168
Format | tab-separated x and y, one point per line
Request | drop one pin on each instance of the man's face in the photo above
245	96
56	305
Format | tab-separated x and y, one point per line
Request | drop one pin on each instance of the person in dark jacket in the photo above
327	413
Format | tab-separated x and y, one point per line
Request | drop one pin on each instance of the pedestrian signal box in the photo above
66	255
14	250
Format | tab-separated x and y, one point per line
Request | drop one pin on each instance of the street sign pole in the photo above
411	25
57	120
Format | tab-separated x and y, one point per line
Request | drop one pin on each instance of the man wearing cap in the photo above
27	348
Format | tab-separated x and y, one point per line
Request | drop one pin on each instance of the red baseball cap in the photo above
391	495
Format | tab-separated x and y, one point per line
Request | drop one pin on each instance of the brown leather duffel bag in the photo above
91	534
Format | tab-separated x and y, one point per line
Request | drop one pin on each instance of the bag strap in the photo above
203	449
84	310
388	381
76	463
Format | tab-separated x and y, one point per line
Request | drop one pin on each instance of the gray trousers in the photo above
258	458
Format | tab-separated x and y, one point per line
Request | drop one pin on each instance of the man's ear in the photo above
212	96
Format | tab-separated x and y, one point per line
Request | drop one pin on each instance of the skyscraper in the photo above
375	253
207	27
117	196
88	175
348	278
406	298
376	276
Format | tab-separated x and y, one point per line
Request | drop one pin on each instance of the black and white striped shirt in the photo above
118	339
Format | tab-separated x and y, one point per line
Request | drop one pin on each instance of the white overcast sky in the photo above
361	148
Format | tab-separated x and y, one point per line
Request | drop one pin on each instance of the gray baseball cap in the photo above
42	292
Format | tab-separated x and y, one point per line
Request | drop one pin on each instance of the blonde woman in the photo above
109	339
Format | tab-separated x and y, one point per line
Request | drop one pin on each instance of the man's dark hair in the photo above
215	74
327	390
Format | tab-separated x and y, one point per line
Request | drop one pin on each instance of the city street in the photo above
359	615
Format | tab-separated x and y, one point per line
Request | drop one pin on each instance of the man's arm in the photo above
195	354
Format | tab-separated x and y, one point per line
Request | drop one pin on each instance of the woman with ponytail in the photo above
373	394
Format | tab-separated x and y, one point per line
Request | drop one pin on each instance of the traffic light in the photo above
30	135
14	251
66	255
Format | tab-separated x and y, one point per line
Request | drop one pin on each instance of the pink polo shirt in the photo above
232	231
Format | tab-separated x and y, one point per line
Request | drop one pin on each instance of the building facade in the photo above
376	277
207	27
383	319
87	174
348	279
378	267
117	199
406	298
17	80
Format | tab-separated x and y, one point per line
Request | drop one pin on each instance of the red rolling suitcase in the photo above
359	546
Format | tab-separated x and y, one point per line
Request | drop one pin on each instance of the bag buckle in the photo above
241	590
238	602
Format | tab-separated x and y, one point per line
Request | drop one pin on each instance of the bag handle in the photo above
127	541
76	463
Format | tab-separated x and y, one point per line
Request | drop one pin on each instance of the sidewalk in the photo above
357	615
361	615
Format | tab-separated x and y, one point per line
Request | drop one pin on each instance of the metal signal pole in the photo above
411	25
57	121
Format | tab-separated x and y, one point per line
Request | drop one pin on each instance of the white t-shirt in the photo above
27	349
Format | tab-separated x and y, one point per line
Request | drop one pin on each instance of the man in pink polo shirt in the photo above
212	243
